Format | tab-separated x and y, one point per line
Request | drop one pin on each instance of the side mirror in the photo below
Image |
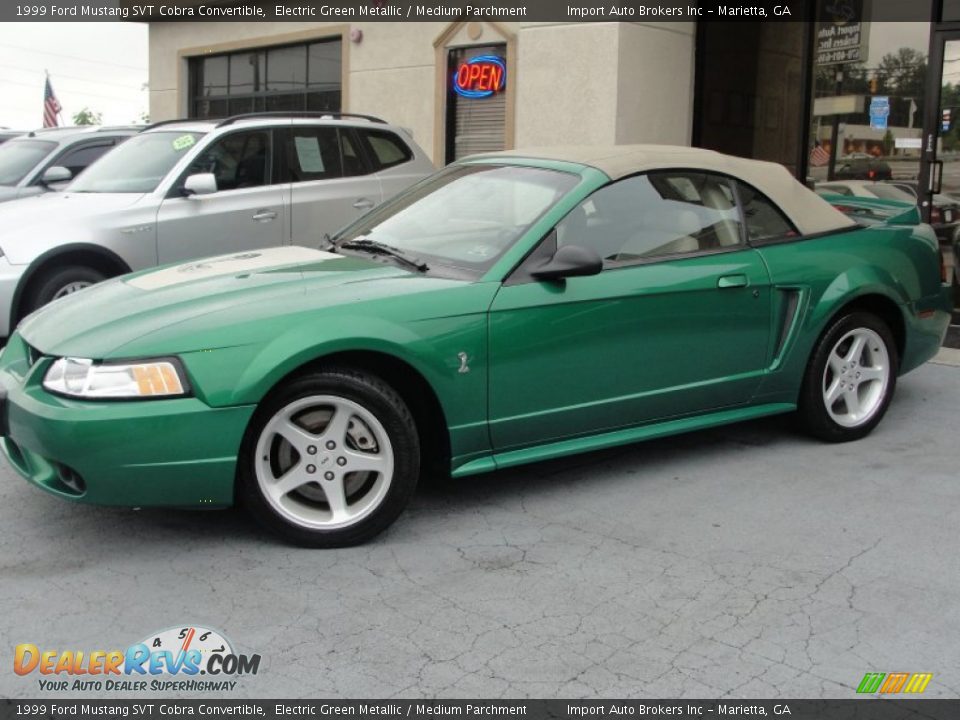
55	174
200	184
569	261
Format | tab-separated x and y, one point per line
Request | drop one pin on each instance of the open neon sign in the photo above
480	77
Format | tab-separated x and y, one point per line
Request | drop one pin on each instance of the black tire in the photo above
374	396
45	287
814	416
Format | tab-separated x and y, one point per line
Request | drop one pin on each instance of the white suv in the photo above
192	188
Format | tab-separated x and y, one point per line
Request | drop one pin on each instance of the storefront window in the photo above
869	88
295	77
746	94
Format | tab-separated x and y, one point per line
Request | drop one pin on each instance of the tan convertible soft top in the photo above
808	212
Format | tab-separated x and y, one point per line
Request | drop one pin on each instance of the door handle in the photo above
264	215
363	204
732	281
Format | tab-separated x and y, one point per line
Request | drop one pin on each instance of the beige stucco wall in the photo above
575	83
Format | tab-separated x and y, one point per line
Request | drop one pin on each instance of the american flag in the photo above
51	106
818	156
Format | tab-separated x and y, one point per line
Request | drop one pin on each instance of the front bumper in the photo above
177	452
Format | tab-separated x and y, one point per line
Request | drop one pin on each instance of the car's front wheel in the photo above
330	460
850	379
59	282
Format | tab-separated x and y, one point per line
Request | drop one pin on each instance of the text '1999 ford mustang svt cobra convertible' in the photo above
510	308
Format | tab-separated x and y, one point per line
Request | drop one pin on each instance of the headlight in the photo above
81	378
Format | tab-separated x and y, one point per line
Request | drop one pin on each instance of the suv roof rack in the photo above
335	115
91	128
151	126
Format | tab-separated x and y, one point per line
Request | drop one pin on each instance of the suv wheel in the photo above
59	282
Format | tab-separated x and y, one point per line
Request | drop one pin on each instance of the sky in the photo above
100	66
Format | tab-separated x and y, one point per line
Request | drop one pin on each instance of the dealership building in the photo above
804	94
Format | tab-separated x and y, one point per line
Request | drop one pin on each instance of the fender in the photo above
782	383
244	375
108	258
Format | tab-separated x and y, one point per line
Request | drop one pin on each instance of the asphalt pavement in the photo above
747	561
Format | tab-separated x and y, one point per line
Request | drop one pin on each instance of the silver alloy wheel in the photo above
324	462
71	288
856	377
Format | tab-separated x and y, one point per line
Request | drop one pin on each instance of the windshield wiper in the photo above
379	248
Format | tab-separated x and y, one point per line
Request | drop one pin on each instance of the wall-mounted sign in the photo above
480	76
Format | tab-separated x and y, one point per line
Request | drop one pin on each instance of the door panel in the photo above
325	206
322	200
222	222
627	346
248	211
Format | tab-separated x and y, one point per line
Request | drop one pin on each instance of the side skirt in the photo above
549	451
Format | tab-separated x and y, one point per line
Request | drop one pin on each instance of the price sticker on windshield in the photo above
183	142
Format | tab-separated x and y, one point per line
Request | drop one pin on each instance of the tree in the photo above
87	117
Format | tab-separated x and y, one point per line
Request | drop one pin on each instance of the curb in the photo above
947	356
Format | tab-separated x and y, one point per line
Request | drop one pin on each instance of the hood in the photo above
200	304
49	213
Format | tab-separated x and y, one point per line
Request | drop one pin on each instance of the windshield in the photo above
890	192
20	157
465	216
138	165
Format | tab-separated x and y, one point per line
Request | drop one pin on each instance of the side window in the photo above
763	219
655	215
386	149
238	160
310	153
77	159
353	164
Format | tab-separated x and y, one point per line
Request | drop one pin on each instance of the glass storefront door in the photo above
941	151
940	176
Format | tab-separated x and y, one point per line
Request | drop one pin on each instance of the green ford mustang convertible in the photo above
511	308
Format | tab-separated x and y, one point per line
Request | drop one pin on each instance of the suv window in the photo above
386	149
353	163
763	219
309	153
19	158
238	160
77	159
653	215
139	164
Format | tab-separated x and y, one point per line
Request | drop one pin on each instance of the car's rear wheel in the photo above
59	282
850	379
330	460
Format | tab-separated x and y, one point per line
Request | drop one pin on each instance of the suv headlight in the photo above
82	378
